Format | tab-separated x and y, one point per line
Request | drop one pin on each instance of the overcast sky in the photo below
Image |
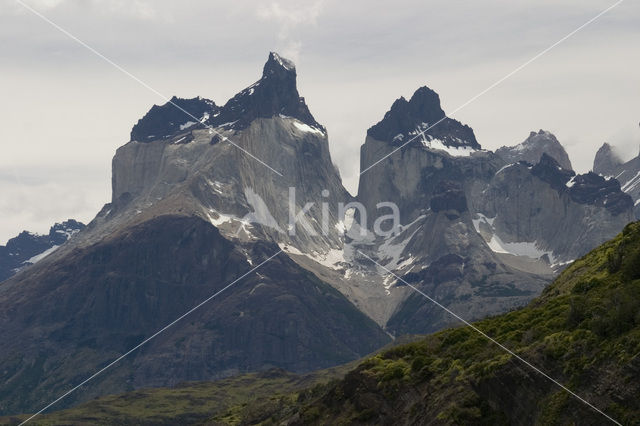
65	111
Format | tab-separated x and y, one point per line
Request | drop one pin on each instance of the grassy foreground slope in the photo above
188	403
584	331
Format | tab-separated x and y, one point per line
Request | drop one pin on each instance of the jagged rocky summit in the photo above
608	163
275	94
28	248
481	231
531	150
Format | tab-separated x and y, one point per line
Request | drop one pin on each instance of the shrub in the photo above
577	312
631	270
584	286
614	260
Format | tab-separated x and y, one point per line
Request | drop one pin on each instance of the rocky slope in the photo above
583	331
608	163
28	248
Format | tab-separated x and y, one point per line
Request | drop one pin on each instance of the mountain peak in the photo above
534	147
422	114
276	93
606	160
276	63
279	71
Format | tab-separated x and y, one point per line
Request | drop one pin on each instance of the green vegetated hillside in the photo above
188	403
584	331
194	402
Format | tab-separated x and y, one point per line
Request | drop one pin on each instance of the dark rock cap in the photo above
591	188
163	121
550	171
406	118
276	93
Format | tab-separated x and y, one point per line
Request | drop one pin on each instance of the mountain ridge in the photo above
190	212
418	116
28	248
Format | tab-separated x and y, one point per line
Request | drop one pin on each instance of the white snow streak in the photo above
39	257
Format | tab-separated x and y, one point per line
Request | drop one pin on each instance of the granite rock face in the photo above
481	231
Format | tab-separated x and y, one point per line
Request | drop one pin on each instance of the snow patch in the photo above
344	225
390	254
68	233
561	264
455	151
221	219
187	125
39	257
217	186
519	248
331	259
261	213
284	63
228	123
306	128
505	167
632	183
483	219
